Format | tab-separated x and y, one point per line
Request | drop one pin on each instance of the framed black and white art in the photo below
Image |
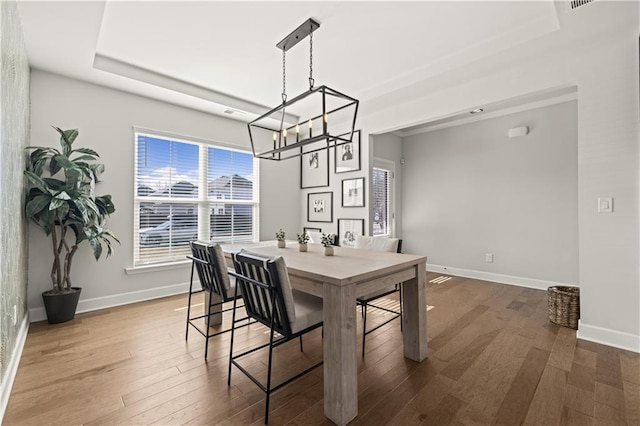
320	207
348	155
348	230
353	192
314	166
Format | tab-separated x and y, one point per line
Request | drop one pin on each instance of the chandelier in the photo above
317	119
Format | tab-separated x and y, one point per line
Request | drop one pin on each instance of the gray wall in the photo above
471	190
105	119
14	137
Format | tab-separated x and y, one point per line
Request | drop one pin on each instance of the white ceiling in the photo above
214	56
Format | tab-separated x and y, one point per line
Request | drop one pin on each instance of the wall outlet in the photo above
488	257
14	318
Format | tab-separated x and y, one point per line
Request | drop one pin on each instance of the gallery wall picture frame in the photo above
314	234
320	207
348	230
353	192
347	156
314	166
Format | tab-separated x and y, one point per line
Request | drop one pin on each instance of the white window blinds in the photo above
382	184
187	191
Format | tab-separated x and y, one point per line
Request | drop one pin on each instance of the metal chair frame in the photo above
259	284
366	302
209	273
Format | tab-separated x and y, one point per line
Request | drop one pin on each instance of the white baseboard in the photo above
6	382
497	278
87	305
605	336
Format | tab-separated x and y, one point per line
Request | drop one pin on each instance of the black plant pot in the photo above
61	307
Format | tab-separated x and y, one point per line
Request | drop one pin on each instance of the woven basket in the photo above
564	306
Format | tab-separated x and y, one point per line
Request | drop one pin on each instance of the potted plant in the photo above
61	200
327	242
280	236
303	239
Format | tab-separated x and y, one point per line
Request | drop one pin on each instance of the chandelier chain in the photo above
311	80
284	76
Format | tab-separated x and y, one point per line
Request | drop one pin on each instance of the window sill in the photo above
157	267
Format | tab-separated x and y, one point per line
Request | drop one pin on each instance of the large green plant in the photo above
61	198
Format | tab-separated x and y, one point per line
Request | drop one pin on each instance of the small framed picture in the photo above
348	230
348	155
320	207
353	192
314	166
315	234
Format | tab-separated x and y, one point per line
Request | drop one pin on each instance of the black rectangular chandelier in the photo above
325	117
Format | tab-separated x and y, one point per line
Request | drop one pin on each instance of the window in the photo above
382	178
185	191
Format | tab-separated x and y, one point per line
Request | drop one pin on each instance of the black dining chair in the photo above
393	245
269	299
209	263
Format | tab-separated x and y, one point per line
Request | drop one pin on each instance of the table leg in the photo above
215	311
340	355
414	325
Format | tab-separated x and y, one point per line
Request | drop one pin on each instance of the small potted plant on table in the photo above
280	236
303	239
327	242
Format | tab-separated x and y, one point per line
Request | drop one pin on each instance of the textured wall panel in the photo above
14	137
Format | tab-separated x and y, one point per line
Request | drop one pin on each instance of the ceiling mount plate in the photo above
298	34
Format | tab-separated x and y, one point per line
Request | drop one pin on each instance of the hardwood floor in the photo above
494	359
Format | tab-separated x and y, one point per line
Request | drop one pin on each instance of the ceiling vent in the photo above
232	111
577	3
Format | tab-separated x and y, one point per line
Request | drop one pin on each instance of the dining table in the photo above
339	280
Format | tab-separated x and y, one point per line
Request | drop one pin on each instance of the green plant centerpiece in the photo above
61	200
327	242
303	239
280	236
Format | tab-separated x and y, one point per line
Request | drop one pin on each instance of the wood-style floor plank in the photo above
632	400
579	399
494	359
516	403
548	402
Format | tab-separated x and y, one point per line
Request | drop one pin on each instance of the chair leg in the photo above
364	326
186	334
206	345
233	330
400	300
266	405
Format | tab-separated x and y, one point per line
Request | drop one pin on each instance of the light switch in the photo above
605	205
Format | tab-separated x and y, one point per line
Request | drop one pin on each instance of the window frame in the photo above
203	203
390	168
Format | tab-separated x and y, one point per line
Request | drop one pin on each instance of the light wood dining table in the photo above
339	279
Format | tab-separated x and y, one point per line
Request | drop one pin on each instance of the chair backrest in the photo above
315	237
211	266
393	245
266	290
